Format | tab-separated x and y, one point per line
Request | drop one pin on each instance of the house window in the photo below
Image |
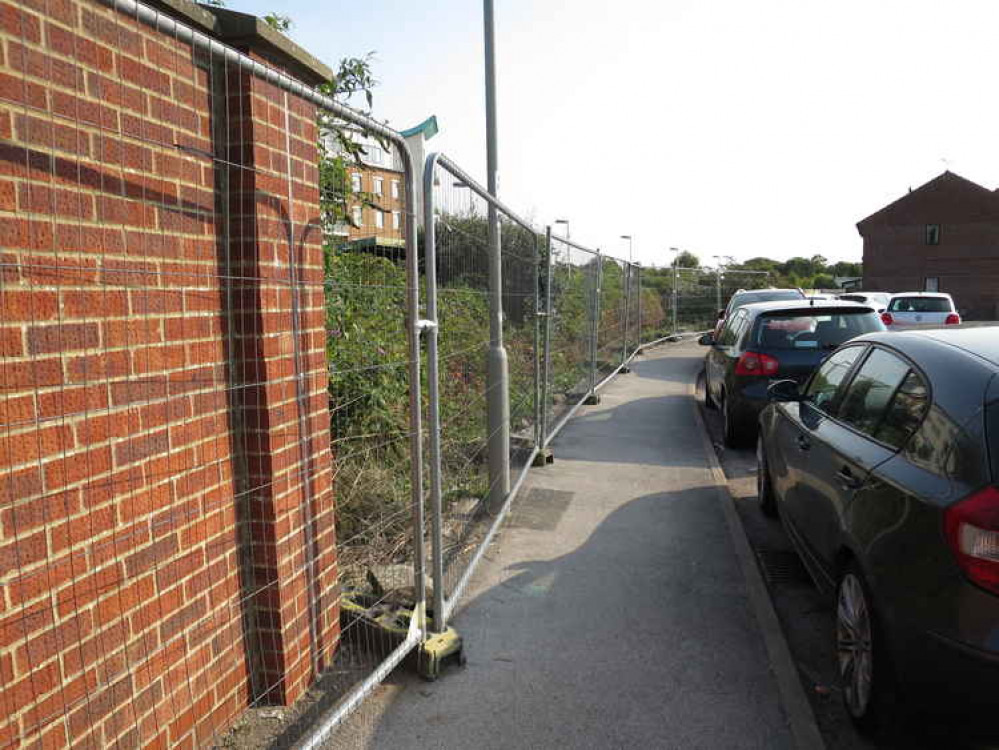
395	189
932	234
379	219
358	216
396	218
932	284
355	182
374	155
376	183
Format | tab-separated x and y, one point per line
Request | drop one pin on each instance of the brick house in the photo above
942	236
167	551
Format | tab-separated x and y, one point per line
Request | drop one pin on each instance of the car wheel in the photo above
709	403
764	486
864	671
731	435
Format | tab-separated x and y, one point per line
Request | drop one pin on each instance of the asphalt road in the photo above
612	612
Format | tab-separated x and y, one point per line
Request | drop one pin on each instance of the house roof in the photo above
946	199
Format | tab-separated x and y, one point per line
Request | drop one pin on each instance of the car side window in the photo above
828	378
905	412
728	334
871	390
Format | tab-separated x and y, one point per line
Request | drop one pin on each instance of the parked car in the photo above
878	300
748	297
767	341
920	310
884	468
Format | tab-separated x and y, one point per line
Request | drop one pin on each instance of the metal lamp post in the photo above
497	384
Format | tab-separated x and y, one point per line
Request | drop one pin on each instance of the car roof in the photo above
767	290
921	294
981	341
806	306
966	359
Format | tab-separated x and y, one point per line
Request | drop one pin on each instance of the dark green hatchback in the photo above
884	469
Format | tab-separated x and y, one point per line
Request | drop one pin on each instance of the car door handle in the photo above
846	478
803	443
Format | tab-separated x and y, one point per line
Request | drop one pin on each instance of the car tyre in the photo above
764	485
709	403
865	672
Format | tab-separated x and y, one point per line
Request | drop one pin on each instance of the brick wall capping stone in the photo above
250	33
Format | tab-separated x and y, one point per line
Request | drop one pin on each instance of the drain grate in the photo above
781	566
540	509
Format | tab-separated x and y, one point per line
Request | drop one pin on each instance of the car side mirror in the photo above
706	340
784	390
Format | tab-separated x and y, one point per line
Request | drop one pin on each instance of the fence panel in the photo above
459	292
571	293
633	311
611	317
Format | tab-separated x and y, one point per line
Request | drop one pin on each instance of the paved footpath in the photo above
612	611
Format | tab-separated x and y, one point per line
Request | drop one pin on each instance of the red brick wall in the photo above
166	535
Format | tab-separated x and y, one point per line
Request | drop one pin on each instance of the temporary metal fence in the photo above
568	301
690	298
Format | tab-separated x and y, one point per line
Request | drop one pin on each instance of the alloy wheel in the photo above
854	645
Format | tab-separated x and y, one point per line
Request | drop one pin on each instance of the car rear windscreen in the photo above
812	331
774	296
920	305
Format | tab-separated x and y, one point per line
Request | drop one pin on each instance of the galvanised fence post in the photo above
595	330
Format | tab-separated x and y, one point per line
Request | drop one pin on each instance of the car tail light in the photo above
971	527
752	363
887	319
952	320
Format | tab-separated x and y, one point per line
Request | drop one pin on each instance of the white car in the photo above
877	300
920	310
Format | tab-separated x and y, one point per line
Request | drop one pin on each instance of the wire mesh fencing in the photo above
462	485
569	300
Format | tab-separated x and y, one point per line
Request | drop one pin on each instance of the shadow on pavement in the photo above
642	636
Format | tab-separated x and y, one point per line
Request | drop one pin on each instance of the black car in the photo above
885	471
769	341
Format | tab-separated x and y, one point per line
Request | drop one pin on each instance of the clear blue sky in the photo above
719	126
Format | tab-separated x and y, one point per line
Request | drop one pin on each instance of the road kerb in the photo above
799	711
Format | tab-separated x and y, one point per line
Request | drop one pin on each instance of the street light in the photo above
566	222
627	237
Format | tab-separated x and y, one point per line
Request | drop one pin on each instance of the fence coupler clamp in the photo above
425	326
439	650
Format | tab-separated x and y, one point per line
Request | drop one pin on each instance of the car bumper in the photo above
751	398
953	679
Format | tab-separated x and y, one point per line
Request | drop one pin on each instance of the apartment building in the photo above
377	215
